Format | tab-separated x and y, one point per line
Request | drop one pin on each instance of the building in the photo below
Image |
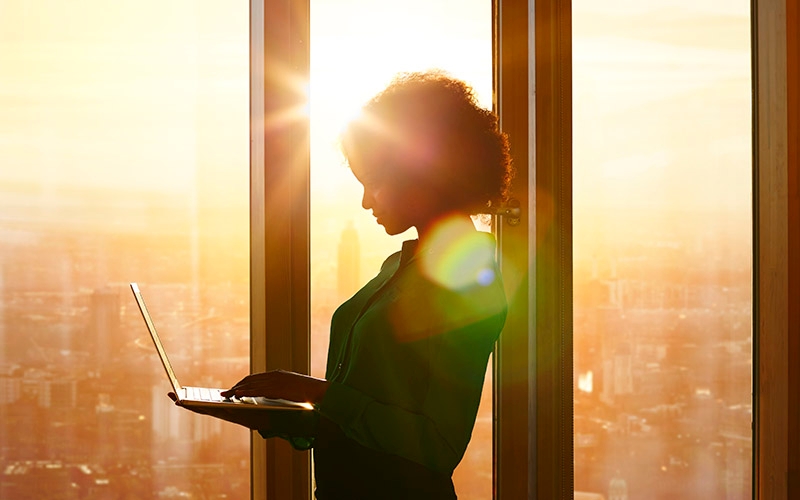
104	326
60	393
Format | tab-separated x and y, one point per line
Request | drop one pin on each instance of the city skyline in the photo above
651	353
124	140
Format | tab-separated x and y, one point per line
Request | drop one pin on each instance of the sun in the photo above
352	60
336	95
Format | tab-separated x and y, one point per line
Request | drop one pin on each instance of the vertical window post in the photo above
776	253
533	368
280	311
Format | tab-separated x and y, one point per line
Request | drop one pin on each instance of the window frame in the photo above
534	101
776	248
279	198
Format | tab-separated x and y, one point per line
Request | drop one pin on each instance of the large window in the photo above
124	152
533	424
662	249
123	144
347	246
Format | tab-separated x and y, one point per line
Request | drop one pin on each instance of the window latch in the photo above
510	211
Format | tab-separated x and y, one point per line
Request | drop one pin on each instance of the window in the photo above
124	143
347	246
662	208
73	234
532	85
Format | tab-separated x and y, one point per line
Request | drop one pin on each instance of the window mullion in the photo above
279	223
533	369
776	251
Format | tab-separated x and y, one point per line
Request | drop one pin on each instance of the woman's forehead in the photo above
369	172
370	157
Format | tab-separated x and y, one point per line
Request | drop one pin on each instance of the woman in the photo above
408	352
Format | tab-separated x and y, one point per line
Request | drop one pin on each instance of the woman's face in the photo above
396	201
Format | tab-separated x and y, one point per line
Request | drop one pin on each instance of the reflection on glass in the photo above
356	48
662	256
124	152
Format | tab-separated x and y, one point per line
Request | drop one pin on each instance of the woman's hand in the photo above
280	384
253	420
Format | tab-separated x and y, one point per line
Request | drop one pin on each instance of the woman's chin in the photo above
394	230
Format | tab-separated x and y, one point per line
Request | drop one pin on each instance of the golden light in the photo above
346	71
586	382
457	259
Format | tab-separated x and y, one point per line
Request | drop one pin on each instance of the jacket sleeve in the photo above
297	427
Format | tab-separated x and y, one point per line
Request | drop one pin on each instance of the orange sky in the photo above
152	95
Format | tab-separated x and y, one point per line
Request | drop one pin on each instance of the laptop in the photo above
206	397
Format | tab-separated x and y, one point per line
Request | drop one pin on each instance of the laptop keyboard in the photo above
213	395
203	394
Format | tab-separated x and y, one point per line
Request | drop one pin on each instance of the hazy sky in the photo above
105	93
152	95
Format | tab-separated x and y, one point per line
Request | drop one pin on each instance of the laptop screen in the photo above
157	341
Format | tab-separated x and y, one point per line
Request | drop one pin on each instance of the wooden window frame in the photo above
776	248
533	400
279	224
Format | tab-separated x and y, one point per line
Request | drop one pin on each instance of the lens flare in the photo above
458	259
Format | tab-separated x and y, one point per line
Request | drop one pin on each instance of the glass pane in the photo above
124	140
357	46
662	213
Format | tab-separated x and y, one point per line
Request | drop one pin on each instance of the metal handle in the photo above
511	211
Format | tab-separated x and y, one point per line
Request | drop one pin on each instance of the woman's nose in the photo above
367	199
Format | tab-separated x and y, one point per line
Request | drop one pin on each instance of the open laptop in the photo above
205	397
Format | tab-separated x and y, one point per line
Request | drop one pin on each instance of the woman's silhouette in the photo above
408	352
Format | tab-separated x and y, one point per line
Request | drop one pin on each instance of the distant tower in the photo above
58	394
617	489
623	369
105	323
617	373
104	446
10	389
349	260
167	423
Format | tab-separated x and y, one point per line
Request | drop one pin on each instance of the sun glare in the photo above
352	61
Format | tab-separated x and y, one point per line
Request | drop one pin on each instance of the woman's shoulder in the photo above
391	262
451	290
462	265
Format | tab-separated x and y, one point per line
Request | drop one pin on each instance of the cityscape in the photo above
124	143
662	363
663	360
83	398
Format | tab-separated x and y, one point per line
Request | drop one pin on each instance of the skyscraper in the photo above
105	323
617	489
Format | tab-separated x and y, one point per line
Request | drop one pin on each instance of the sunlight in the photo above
346	72
585	382
335	100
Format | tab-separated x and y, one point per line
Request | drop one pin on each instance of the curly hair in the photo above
431	127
